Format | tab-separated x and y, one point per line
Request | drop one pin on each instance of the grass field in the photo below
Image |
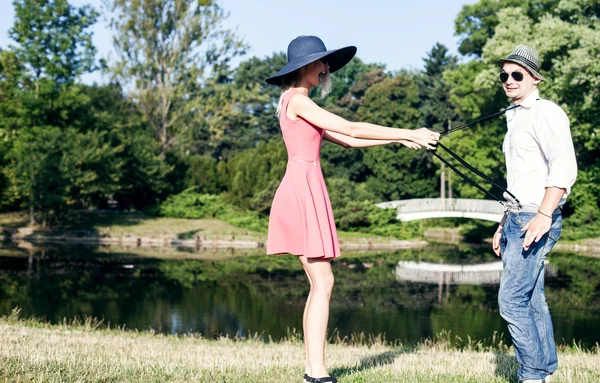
138	224
32	351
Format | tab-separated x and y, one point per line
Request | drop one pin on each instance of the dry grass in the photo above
175	226
138	224
14	220
31	351
167	252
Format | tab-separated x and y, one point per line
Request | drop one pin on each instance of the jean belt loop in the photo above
511	208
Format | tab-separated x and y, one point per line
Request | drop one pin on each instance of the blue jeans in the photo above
522	299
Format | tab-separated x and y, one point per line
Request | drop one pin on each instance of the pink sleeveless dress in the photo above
301	220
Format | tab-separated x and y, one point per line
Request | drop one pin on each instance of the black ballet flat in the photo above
326	379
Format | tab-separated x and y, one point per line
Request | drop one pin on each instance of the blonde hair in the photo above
290	81
285	87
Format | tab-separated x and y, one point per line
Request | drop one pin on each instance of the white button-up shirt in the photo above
539	150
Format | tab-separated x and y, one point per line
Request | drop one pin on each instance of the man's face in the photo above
518	90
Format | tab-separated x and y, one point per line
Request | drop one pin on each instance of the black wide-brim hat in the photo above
304	50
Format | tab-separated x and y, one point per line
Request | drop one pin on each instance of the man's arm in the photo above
553	133
541	223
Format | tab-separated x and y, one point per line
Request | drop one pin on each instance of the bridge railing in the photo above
481	274
421	205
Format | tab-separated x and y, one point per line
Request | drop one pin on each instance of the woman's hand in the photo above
426	137
409	144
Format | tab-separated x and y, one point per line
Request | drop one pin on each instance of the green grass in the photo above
88	351
14	220
137	224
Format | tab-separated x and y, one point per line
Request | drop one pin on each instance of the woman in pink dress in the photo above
301	220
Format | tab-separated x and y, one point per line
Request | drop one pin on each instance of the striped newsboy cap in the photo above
526	57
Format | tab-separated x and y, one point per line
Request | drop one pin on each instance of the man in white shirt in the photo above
541	169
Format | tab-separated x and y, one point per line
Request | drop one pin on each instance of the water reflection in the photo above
444	274
241	295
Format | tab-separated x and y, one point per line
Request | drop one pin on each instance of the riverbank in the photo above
139	230
136	230
87	351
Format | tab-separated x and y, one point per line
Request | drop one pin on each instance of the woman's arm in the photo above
304	107
351	142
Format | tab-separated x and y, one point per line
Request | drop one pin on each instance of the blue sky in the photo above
395	33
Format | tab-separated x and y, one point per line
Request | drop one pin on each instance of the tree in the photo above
166	50
53	49
11	111
142	173
436	108
566	35
349	85
261	122
253	175
54	39
477	23
397	172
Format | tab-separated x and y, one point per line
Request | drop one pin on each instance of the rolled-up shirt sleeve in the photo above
553	133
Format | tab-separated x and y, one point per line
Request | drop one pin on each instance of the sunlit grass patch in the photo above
88	350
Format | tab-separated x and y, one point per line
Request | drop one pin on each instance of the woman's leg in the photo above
317	313
306	366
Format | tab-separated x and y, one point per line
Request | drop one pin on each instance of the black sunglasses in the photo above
518	76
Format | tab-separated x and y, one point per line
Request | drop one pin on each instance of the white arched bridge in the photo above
422	208
479	274
445	275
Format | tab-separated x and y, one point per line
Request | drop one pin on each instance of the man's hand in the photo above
536	228
496	241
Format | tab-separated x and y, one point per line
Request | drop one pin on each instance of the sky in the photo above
395	33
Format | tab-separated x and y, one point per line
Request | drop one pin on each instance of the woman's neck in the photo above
300	89
303	87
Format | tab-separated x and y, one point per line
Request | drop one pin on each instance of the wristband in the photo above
546	215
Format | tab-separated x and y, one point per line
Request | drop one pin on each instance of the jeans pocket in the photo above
523	219
553	236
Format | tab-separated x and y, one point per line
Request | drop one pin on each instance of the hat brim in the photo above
523	63
336	59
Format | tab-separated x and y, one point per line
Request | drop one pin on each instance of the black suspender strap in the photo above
470	167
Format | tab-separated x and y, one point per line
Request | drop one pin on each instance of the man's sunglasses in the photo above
518	76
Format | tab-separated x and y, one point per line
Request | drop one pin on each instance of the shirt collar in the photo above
533	96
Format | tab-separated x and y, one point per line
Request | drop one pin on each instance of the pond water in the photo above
246	294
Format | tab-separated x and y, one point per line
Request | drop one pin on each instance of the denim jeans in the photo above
522	299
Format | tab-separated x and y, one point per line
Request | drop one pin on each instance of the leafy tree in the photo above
167	49
566	35
261	122
203	174
478	22
396	171
436	108
252	173
51	164
143	175
52	169
434	92
349	85
344	81
54	39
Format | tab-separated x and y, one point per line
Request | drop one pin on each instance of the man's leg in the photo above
539	306
522	270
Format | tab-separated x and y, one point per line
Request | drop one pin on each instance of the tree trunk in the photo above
443	181
450	185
